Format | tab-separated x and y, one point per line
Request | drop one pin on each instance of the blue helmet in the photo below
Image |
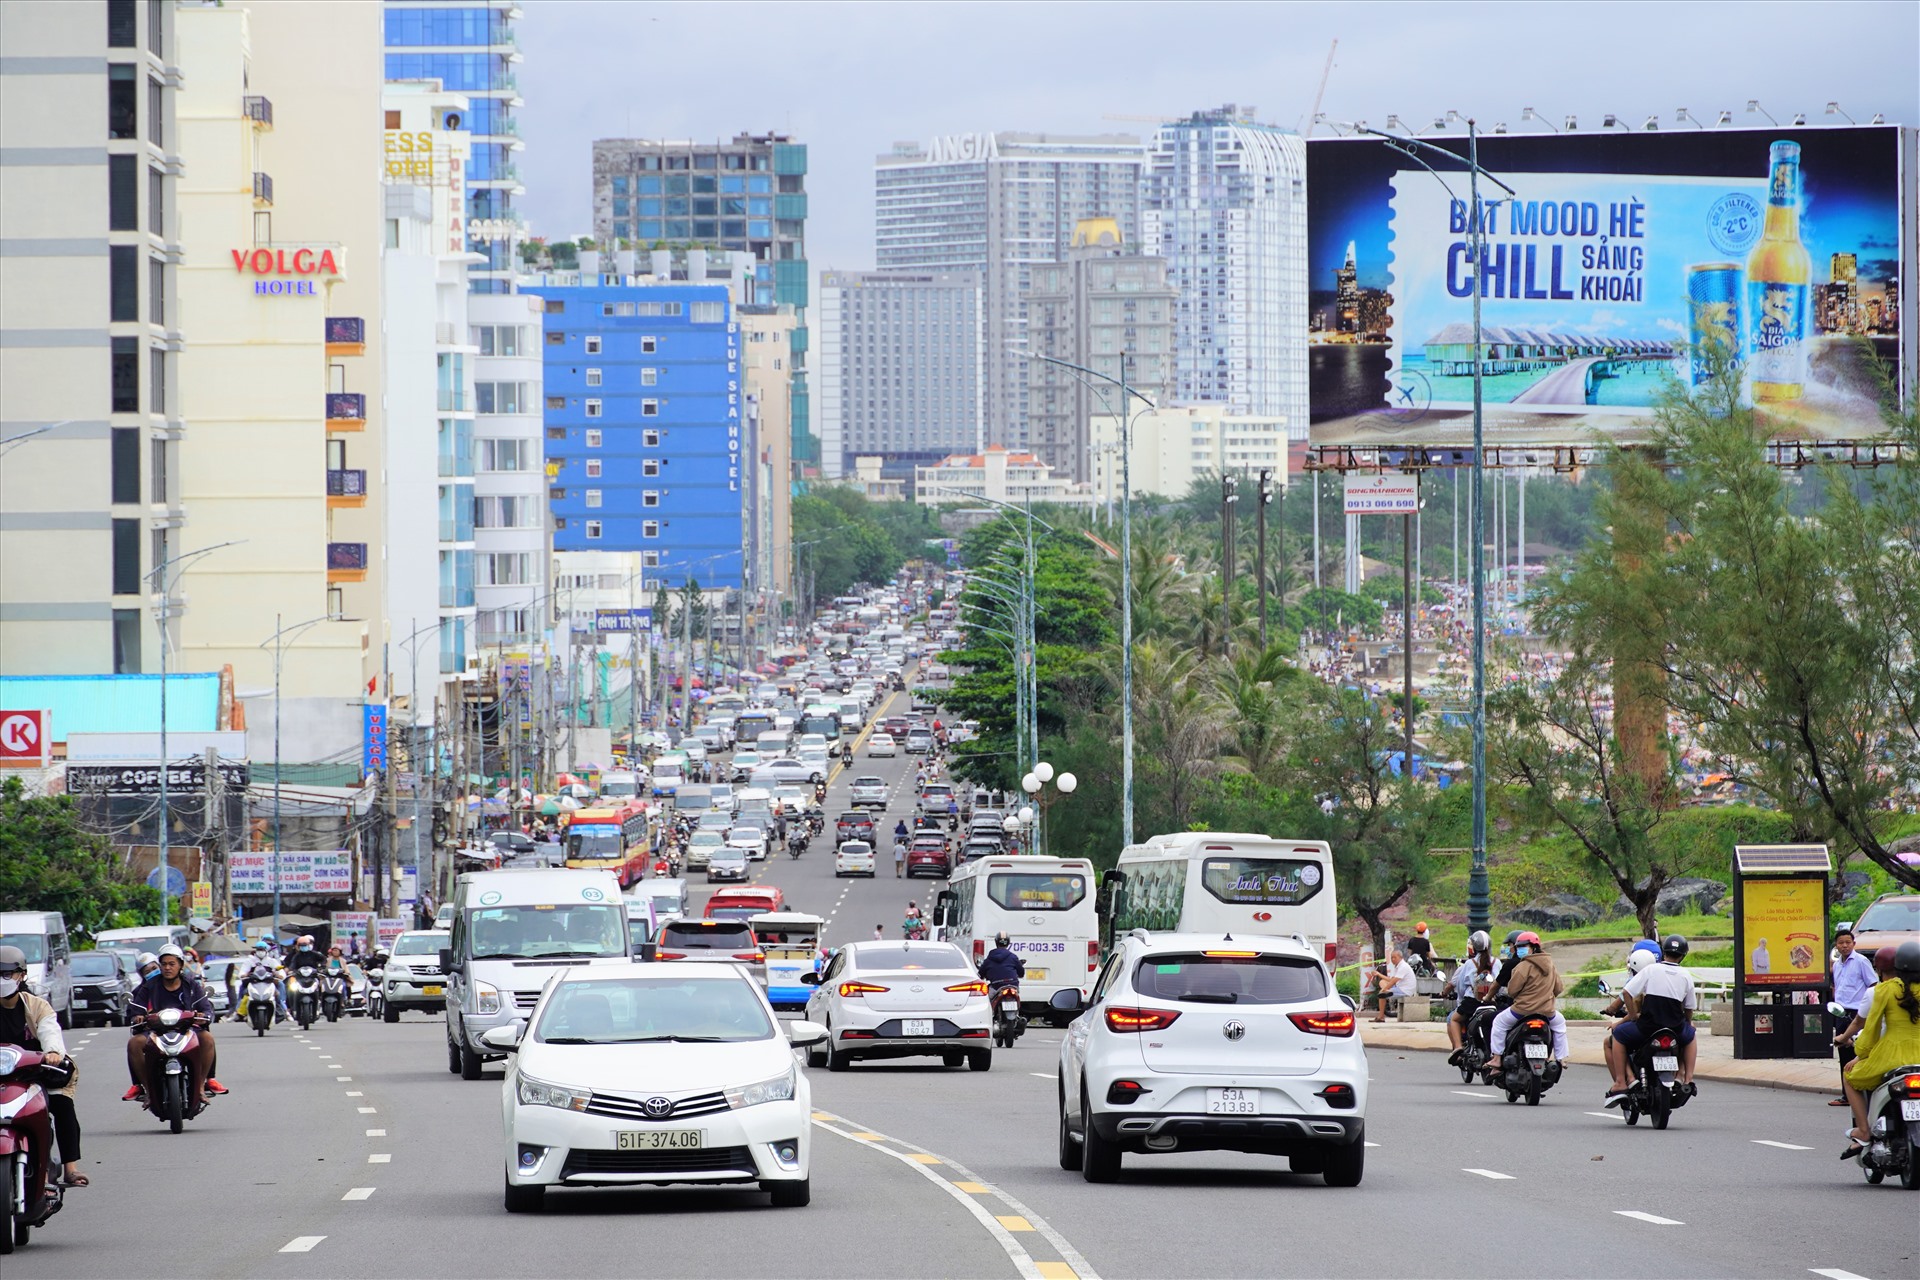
1647	944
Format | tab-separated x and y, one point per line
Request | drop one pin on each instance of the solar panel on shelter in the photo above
1763	859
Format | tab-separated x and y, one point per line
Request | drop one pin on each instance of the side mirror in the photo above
1068	1000
446	959
506	1039
1837	1009
805	1033
1348	1001
809	979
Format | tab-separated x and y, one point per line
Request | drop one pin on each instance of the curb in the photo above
1722	1071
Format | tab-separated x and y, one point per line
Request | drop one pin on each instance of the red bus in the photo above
616	838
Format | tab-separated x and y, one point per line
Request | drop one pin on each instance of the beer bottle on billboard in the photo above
1779	275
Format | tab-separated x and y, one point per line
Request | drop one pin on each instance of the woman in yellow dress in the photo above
1889	1037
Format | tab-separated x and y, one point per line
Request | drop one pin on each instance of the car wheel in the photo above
1069	1145
1345	1164
389	1014
791	1195
979	1059
453	1054
469	1064
1099	1158
837	1059
524	1199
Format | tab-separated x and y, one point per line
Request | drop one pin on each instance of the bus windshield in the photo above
594	841
1036	891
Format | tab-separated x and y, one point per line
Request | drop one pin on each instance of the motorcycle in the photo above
25	1077
1893	1125
1527	1068
262	999
303	995
1007	1022
914	928
172	1092
1655	1091
376	993
333	994
797	843
1476	1045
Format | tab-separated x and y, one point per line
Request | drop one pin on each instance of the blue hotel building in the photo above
645	426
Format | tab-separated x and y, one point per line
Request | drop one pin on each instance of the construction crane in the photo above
1313	117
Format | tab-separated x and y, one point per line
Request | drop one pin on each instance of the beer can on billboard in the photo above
1713	299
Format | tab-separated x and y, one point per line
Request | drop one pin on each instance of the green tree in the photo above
49	862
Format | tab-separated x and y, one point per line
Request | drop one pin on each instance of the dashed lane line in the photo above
368	1111
301	1244
1495	1174
970	1190
376	1133
380	1159
358	1193
1653	1218
1784	1146
1835	1273
355	1093
1469	1093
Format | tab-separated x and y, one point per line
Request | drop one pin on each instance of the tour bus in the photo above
1223	882
749	725
1046	908
614	838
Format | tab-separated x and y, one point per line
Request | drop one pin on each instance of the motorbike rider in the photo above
260	969
1644	953
1888	1038
29	1022
1658	998
171	988
1474	976
1533	989
303	953
1001	964
147	965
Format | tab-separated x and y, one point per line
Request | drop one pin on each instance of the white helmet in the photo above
170	949
146	958
1640	960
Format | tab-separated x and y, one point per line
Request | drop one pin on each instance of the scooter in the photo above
1007	1022
333	994
303	994
1528	1068
172	1092
376	993
797	842
1476	1044
262	999
1655	1091
1893	1125
25	1077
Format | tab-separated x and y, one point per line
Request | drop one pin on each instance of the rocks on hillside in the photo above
1680	897
1557	911
1846	884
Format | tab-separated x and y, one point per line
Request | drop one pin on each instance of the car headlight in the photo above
486	998
538	1093
778	1089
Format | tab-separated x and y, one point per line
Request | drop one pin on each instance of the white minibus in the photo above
1046	908
1223	882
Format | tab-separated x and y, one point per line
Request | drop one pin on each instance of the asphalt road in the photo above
352	1151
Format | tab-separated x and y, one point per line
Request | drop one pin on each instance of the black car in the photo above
100	988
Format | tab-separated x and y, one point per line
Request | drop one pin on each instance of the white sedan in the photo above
667	1073
882	744
853	858
899	999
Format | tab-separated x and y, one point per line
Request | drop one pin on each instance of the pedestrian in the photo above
1853	981
879	933
899	857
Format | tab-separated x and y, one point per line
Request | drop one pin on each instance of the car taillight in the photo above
1334	1022
757	957
1093	955
979	950
1140	1019
848	989
1123	1093
969	988
669	955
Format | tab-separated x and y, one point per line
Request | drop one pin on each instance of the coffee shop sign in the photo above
289	269
960	148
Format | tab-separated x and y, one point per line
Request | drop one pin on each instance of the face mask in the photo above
1521	951
9	987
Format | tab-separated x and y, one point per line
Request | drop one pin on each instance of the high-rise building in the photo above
1105	309
1226	205
90	328
901	366
746	195
1346	292
1172	446
471	49
1002	204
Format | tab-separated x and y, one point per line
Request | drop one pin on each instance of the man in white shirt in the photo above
1658	998
1394	981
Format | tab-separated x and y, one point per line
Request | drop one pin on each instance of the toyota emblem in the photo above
1233	1029
658	1108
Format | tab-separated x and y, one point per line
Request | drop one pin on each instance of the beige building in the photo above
1173	447
281	207
766	334
994	475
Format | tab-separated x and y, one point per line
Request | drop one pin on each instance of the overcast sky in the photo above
850	79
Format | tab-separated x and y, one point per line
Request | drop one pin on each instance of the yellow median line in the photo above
968	1191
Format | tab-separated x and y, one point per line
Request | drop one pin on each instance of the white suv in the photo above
1208	1042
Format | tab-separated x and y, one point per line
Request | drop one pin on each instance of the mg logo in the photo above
1233	1029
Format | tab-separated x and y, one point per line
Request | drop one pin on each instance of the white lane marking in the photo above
376	1133
380	1159
1372	1144
358	1193
1468	1093
368	1111
342	1079
1654	1218
1044	1075
301	1244
1491	1173
1021	1259
1605	1115
1784	1146
1834	1273
355	1093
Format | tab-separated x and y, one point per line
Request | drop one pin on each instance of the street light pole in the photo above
279	650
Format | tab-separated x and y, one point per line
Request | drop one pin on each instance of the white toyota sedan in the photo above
1198	1042
661	1074
899	999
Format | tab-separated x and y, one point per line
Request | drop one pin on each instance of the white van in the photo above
42	936
1045	905
512	931
150	937
619	785
1224	882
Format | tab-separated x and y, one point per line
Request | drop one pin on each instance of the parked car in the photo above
1888	921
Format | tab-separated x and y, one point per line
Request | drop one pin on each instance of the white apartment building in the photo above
995	474
512	531
90	330
1172	447
1001	203
1225	203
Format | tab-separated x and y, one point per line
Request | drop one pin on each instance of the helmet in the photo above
171	949
1000	939
260	945
1513	936
306	940
1527	939
1479	941
1883	961
1906	961
1647	945
1673	946
12	960
146	958
1421	927
1640	959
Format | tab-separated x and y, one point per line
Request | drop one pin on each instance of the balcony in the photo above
346	411
262	190
346	488
346	562
259	109
346	336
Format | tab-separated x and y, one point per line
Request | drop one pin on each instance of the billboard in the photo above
1618	257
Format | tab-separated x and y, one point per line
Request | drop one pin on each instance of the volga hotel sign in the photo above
290	269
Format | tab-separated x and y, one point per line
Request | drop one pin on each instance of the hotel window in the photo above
650	466
593	344
593	468
650	439
649	528
157	204
648	377
122	28
156	114
707	313
126	375
650	559
593	497
593	438
593	528
556	337
593	377
650	498
649	408
648	345
593	408
123	283
123	193
123	101
556	402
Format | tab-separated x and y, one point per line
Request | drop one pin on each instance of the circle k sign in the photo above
23	738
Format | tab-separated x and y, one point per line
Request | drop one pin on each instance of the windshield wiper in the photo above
675	1040
569	1040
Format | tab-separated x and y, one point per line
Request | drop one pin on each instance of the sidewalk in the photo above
1715	1061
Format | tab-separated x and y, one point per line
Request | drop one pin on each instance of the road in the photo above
351	1151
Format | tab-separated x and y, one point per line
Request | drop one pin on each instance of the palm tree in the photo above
1253	689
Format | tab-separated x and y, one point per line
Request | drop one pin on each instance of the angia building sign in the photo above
289	270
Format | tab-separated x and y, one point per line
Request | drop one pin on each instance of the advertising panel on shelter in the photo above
1620	259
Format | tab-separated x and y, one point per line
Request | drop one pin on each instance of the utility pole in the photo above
1260	548
1228	497
1406	626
